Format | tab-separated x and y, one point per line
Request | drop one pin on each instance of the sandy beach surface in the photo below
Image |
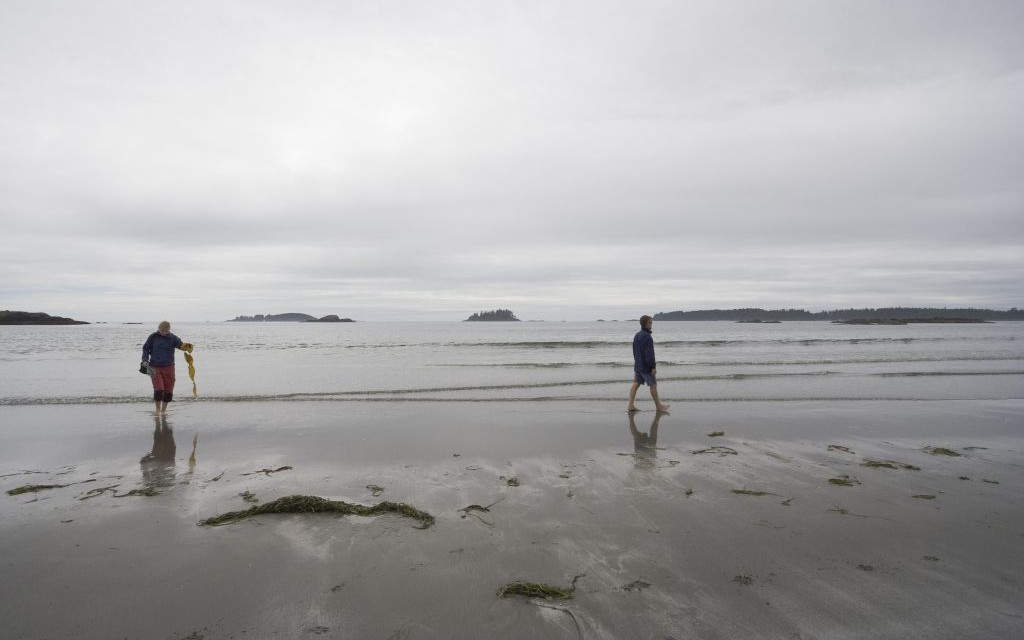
800	520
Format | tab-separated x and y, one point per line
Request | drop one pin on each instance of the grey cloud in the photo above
444	153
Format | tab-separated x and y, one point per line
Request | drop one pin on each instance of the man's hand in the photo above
654	371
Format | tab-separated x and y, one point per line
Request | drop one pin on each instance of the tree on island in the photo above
496	315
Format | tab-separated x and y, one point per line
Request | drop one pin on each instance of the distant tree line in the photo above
841	314
38	317
495	315
278	317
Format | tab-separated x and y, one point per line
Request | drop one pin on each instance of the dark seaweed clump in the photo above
315	504
538	590
33	488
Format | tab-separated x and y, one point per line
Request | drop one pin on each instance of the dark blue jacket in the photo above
643	352
159	350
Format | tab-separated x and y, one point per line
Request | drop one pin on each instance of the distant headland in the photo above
899	321
27	317
888	315
497	315
289	317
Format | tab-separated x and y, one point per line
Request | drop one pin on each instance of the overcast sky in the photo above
567	160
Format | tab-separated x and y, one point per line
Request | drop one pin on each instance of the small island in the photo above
36	318
758	321
280	317
290	317
331	318
497	315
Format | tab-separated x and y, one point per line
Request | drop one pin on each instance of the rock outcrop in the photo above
27	317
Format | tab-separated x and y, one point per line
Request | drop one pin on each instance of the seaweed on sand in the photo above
145	491
942	451
839	447
92	493
538	590
33	488
721	451
844	481
844	512
534	590
716	434
469	511
888	464
267	471
748	492
316	504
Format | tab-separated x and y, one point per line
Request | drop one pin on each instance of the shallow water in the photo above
452	361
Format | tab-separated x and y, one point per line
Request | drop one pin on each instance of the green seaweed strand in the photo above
33	488
315	504
534	590
538	590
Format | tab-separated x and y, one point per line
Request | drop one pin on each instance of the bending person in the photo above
158	355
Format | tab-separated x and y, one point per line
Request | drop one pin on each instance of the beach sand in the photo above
665	545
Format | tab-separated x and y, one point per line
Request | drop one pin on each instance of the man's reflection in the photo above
158	465
645	445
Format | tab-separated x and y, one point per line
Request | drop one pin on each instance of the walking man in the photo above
645	366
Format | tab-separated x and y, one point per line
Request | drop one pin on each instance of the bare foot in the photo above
631	409
663	407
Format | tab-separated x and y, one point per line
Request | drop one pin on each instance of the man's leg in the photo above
632	396
657	402
168	386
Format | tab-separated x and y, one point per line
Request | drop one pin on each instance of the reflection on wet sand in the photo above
158	464
645	445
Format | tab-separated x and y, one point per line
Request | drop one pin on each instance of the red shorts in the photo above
163	377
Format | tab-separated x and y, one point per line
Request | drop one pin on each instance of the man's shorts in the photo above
645	378
163	377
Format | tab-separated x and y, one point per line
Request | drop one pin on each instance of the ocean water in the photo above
527	361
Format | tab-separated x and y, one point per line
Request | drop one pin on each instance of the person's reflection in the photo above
158	464
645	445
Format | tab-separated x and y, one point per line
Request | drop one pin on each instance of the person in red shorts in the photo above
158	358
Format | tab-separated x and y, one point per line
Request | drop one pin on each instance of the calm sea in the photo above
542	361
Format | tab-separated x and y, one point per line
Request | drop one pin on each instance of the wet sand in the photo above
749	540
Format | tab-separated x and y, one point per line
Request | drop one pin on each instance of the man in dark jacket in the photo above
158	357
645	366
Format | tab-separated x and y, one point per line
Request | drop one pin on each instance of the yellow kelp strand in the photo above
187	348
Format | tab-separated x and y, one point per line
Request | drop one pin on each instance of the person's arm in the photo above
147	348
649	358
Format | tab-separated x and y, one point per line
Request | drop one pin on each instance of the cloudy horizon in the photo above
576	160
